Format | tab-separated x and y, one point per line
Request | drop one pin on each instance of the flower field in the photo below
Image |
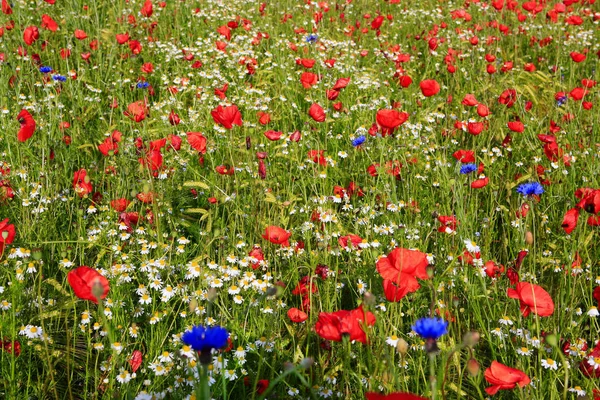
352	199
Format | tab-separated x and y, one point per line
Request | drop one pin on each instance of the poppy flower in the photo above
502	377
135	361
137	111
309	79
480	183
48	23
277	235
569	222
349	241
393	396
119	205
389	120
464	156
263	117
30	35
516	126
395	292
273	135
316	112
533	298
508	97
588	365
469	100
296	315
403	266
88	284
429	87
6	9
27	125
81	183
146	10
197	141
332	326
227	116
341	83
7	234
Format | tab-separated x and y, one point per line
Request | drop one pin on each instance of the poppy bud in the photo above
248	143
529	238
470	339
473	367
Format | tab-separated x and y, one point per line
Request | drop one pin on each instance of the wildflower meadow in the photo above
299	199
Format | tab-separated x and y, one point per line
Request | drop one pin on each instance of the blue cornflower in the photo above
530	188
430	328
143	85
468	168
60	78
205	339
561	100
312	38
359	140
45	69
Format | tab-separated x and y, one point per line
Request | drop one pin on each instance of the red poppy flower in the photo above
48	23
6	9
81	183
263	117
277	235
197	141
393	396
225	170
7	234
569	222
389	120
138	110
349	241
429	87
297	315
341	83
273	135
30	35
227	116
119	205
305	62
508	97
403	266
308	79
332	326
464	156
588	369
448	223
516	126
87	283
480	183
577	57
27	125
146	10
316	112
533	298
135	361
469	100
475	128
502	377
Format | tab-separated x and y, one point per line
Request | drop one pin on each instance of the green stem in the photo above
432	376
